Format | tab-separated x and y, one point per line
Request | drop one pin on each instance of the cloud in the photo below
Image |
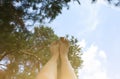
93	19
82	43
117	76
93	67
102	55
91	16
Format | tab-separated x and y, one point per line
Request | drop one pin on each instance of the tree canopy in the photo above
16	14
30	51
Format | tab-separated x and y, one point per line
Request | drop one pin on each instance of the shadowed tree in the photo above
16	14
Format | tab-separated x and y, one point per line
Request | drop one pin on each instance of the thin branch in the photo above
22	51
78	2
3	55
25	52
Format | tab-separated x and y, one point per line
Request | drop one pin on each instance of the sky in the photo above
97	27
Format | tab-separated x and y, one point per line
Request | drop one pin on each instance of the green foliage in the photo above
28	52
14	13
74	54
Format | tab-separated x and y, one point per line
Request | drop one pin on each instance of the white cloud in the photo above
93	19
82	43
93	67
101	1
117	76
102	54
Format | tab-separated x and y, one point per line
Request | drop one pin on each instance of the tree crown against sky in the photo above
14	14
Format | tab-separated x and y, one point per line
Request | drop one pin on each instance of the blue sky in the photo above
97	27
